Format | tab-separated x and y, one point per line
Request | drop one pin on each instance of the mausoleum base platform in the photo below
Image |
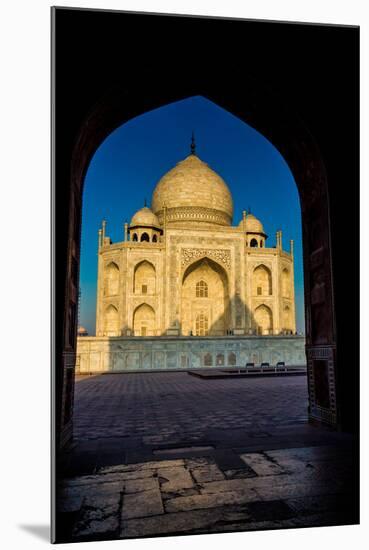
121	354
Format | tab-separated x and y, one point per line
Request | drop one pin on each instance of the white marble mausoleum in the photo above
185	288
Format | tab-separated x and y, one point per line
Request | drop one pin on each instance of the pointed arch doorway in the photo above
144	321
205	299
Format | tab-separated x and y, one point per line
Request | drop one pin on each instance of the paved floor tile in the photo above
167	404
262	464
204	474
138	505
174	479
168	453
141	467
99	517
139	485
181	522
195	502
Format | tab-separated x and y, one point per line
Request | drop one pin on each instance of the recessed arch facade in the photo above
111	321
263	320
262	281
205	299
111	279
144	321
287	324
286	283
144	281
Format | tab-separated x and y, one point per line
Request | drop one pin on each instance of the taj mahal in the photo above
188	289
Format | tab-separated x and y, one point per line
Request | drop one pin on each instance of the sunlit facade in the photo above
187	289
183	269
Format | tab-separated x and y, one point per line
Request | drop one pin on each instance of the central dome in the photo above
192	192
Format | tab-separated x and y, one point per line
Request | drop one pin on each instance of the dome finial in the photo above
193	145
145	202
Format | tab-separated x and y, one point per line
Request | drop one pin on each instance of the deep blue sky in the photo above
131	160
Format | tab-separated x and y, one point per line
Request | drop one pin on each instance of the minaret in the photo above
125	231
291	247
279	239
100	238
244	213
103	231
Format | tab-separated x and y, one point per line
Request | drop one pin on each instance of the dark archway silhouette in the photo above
99	100
320	325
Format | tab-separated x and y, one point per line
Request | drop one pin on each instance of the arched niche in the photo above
144	321
144	278
263	320
254	243
205	292
111	321
111	279
287	323
286	283
262	281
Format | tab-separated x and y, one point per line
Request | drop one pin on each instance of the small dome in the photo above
253	225
82	330
193	192
145	216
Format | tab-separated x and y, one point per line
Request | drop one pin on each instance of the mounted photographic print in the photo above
205	318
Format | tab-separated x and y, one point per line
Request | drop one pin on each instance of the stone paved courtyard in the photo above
159	406
168	453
